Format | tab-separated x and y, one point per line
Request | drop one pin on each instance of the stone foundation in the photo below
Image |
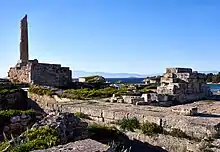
193	126
41	74
183	85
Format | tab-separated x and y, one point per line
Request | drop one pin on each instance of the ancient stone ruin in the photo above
31	71
182	84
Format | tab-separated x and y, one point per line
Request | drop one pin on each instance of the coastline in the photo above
212	83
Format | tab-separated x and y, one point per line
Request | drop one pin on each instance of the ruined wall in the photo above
193	126
183	84
20	74
51	74
41	73
178	70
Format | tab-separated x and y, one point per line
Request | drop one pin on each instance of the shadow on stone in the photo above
138	146
215	97
33	105
107	136
209	115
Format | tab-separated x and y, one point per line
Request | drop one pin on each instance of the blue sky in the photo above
133	36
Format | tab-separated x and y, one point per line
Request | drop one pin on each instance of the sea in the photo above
214	87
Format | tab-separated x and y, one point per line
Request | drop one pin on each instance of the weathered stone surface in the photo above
41	73
16	125
87	145
169	143
183	85
13	100
194	126
69	126
24	40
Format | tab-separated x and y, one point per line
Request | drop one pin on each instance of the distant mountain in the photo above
206	72
78	73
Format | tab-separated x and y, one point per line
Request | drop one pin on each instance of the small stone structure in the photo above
132	99
31	71
180	84
186	111
183	85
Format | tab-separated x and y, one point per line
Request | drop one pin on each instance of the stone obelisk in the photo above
24	41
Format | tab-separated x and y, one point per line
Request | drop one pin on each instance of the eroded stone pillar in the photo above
24	40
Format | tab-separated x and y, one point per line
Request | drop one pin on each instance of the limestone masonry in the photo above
180	85
31	71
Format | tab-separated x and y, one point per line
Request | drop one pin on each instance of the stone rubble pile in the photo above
17	124
69	126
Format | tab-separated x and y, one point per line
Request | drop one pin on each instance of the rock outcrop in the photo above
13	99
92	79
87	145
69	126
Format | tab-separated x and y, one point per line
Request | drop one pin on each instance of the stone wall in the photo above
41	73
16	126
13	99
20	74
184	85
193	126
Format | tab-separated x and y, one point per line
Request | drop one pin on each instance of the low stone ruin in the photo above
183	85
131	99
186	111
179	85
69	127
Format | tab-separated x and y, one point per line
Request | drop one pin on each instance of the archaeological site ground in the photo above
43	110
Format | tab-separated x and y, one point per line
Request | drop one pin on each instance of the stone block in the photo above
108	114
121	114
139	116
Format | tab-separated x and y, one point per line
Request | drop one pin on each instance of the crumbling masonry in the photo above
183	85
31	71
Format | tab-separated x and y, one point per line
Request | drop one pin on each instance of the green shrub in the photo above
40	91
82	115
175	132
3	145
92	93
148	128
129	124
103	132
8	90
41	138
7	114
